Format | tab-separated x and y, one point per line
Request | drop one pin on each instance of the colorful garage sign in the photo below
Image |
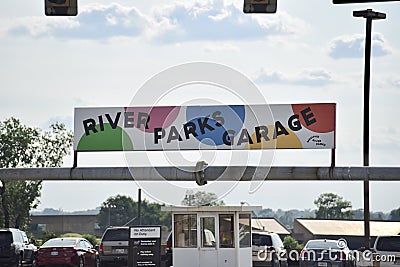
236	127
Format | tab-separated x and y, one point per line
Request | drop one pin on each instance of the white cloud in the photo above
178	22
387	140
93	22
215	21
37	26
386	81
221	47
316	77
390	134
353	46
395	82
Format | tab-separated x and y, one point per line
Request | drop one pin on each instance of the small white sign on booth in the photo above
212	236
145	232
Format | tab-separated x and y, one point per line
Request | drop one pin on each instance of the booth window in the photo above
185	230
244	230
207	225
226	231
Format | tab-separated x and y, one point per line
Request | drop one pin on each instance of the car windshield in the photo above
5	238
262	240
116	235
323	244
389	243
61	242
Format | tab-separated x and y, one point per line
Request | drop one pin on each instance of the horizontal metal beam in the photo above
212	173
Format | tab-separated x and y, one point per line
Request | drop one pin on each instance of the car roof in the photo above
75	239
262	232
10	229
67	238
323	240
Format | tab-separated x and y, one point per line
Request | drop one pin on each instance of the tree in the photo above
266	213
395	215
23	146
358	214
91	238
152	215
202	198
291	243
287	218
122	210
116	211
332	206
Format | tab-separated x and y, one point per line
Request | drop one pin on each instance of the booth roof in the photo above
214	209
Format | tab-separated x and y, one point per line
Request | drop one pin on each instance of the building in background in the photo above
352	231
65	223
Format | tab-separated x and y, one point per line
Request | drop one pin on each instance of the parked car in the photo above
113	249
326	253
71	252
168	251
268	250
15	248
387	250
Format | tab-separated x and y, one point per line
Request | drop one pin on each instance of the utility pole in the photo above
369	15
139	206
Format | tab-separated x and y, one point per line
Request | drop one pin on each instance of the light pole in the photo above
369	15
110	206
189	197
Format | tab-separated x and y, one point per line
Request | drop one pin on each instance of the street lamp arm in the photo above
360	1
369	13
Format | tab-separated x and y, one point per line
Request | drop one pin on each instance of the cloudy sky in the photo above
309	51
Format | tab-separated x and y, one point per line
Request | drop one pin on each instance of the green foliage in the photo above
23	146
91	238
116	211
47	236
332	206
395	215
152	215
201	198
358	214
291	243
287	218
123	210
71	235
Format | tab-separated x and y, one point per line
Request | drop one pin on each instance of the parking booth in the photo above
211	236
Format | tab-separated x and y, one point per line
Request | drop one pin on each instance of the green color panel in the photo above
108	140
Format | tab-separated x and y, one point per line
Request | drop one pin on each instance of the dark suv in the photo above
113	249
387	250
168	251
15	248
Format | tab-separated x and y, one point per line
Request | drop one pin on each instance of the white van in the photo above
387	250
268	250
